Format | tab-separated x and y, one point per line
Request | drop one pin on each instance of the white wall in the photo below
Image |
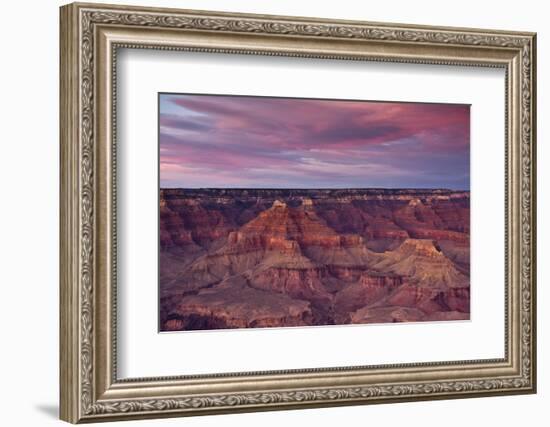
29	171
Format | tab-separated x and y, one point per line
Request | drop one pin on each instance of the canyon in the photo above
247	258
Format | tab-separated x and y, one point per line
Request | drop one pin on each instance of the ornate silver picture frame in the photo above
91	37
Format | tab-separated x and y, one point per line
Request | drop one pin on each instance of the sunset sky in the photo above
259	142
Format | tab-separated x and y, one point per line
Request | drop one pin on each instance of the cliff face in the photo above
256	258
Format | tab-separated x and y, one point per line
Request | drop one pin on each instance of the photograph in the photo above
264	209
285	212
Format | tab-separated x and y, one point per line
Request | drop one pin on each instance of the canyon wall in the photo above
241	258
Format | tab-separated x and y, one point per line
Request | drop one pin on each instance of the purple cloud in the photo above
220	141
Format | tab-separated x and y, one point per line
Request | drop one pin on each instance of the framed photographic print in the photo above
278	212
265	212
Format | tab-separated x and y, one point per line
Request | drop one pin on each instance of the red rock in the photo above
237	258
368	290
235	305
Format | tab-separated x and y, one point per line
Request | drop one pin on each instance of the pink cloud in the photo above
231	136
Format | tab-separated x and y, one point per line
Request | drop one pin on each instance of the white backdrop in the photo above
29	217
141	347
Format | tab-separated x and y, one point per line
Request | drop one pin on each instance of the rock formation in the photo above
257	258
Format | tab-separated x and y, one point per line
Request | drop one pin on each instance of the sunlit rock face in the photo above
273	258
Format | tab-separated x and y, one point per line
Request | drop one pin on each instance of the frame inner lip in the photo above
340	370
525	138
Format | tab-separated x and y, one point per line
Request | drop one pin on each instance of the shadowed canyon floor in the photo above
239	258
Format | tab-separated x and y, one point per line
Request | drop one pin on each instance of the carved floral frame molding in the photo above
90	37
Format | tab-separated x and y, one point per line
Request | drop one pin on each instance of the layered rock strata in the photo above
272	258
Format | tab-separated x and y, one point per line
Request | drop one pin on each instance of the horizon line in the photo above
314	188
